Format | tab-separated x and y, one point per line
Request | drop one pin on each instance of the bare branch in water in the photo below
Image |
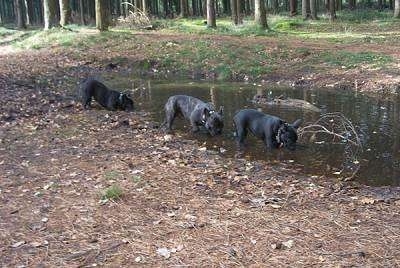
336	126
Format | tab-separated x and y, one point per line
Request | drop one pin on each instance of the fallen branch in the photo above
338	127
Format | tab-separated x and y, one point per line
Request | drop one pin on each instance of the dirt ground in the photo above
181	204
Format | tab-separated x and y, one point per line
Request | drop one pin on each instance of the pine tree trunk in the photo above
313	9
28	18
234	11
332	11
101	15
46	14
275	6
239	11
260	16
247	7
211	21
82	12
397	8
19	8
64	12
184	8
352	4
144	7
293	7
305	6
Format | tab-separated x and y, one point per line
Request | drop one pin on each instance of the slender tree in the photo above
184	8
397	8
82	12
28	11
352	4
101	15
65	12
313	9
48	13
234	12
275	6
145	6
260	15
332	11
293	7
20	15
305	7
211	20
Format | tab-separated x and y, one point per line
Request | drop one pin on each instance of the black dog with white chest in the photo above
275	132
108	98
199	113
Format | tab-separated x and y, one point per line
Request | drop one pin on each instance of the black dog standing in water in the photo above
108	98
196	111
275	132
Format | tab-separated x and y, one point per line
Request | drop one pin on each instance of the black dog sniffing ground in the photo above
199	113
275	132
108	98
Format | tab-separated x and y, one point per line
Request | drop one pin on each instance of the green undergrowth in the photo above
196	51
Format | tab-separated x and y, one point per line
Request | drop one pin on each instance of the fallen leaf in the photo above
18	244
288	244
164	252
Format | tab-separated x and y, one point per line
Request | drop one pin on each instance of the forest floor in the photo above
176	202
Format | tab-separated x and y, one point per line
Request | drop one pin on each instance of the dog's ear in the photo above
297	123
205	114
221	110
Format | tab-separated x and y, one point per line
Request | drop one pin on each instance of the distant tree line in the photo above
51	13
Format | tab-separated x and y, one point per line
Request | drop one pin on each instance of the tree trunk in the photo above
145	7
194	8
211	21
19	8
397	8
184	8
305	7
332	11
239	11
352	4
260	16
234	12
46	14
247	7
293	7
338	4
313	9
82	12
275	6
27	8
101	15
64	12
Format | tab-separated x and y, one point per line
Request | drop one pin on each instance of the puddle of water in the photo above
377	121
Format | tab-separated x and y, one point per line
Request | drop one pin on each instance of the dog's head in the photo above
213	121
125	102
287	135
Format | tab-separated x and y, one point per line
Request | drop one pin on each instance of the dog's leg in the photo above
241	134
195	127
169	119
86	102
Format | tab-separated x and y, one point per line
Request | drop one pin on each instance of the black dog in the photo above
108	98
196	111
275	132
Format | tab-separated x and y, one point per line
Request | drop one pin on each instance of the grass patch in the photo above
6	31
352	60
112	175
113	192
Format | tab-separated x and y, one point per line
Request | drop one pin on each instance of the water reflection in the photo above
377	122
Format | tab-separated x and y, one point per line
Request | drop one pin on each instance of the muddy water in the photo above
377	122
